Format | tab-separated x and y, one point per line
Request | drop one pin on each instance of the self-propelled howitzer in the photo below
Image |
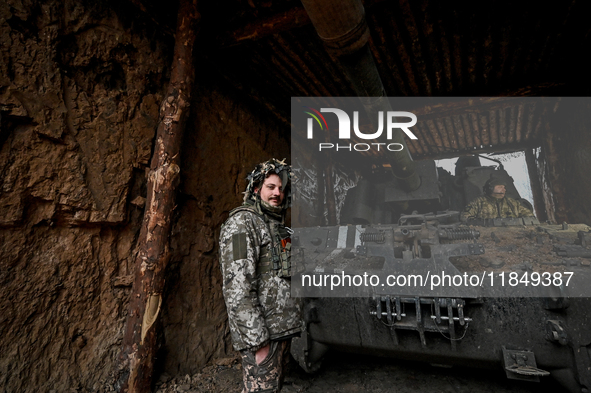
433	289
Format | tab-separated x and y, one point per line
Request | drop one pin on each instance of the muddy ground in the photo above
346	373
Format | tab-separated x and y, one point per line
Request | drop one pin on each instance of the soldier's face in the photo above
499	191
272	190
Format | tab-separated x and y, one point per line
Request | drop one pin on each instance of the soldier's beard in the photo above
273	209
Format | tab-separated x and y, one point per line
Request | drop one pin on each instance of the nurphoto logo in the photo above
392	120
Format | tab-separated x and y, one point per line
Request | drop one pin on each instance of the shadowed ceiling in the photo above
270	52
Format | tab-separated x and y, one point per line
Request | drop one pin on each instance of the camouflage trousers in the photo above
266	377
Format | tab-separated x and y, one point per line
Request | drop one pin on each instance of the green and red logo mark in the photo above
315	116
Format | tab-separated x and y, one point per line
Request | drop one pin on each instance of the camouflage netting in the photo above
263	170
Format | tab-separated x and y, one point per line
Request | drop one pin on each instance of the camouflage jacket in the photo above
486	206
260	307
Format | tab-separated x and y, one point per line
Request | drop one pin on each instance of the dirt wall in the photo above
224	140
80	87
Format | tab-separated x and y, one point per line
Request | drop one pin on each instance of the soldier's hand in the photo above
262	354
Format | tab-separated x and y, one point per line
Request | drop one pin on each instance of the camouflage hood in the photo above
256	178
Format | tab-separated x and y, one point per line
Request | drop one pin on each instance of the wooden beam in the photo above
284	21
136	360
536	185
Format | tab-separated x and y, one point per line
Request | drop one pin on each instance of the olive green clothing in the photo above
485	207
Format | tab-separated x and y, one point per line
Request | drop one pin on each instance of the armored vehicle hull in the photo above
521	301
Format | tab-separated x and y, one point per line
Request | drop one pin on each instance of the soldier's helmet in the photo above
256	178
490	184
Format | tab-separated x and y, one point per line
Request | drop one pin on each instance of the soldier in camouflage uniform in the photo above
494	204
256	269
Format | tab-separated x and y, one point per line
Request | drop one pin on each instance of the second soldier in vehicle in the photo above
495	204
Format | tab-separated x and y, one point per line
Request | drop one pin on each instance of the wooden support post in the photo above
536	185
330	195
136	360
321	190
329	185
